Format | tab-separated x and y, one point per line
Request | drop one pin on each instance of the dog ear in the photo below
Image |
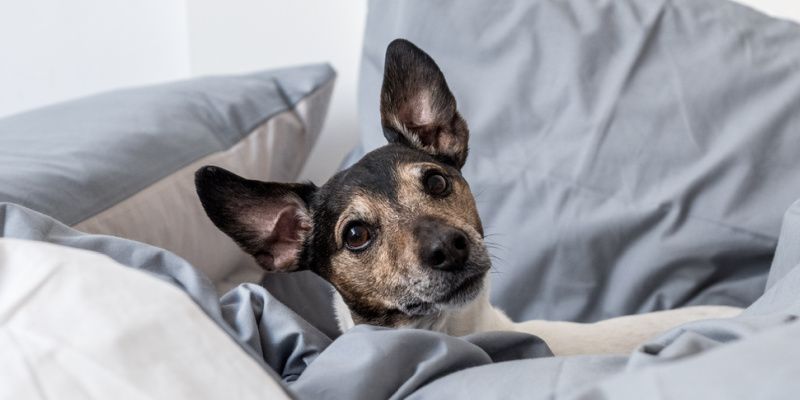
266	219
417	107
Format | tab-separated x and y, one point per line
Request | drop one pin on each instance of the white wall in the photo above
788	9
245	35
53	50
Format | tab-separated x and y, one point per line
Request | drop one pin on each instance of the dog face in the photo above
397	234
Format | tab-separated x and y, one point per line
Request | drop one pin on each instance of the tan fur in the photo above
376	278
392	269
458	209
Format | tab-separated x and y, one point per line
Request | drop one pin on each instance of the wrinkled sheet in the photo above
750	356
626	155
280	339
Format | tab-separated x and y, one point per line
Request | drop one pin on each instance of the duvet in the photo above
750	356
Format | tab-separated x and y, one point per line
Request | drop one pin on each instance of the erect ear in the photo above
417	108
268	220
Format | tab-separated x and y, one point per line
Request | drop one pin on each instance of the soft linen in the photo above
75	324
627	156
751	356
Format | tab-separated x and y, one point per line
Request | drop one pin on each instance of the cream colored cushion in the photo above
75	324
168	213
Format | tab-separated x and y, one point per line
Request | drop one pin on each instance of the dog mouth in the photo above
436	291
463	292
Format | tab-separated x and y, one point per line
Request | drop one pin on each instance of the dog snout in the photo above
441	246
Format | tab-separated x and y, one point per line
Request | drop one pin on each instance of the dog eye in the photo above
436	184
357	237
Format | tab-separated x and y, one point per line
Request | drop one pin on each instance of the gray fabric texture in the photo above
627	155
283	341
75	159
751	356
23	223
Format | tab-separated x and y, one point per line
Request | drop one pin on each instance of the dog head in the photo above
397	234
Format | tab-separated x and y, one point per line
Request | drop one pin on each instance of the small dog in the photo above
398	234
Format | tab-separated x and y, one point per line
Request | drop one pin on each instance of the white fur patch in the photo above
342	313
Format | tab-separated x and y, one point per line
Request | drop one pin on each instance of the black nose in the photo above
441	246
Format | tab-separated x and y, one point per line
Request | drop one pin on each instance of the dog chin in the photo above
464	293
460	295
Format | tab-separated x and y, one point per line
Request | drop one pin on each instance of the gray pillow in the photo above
122	162
627	156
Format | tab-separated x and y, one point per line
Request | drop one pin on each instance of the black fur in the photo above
415	94
225	196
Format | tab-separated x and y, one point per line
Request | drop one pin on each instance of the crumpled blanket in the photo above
751	356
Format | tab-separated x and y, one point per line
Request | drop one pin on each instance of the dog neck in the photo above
475	316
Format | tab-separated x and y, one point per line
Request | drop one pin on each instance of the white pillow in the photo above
75	324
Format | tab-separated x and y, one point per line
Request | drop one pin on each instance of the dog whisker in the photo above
495	246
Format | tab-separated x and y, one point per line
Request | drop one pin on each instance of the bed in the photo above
627	156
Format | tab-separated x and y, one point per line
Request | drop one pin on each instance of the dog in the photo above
398	234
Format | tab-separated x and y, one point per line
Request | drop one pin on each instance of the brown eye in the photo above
436	184
357	237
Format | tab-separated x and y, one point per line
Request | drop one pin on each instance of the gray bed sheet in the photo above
752	356
626	156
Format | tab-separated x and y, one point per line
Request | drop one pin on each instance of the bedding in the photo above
627	156
123	162
104	340
751	356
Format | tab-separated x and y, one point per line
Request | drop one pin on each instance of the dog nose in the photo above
442	247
